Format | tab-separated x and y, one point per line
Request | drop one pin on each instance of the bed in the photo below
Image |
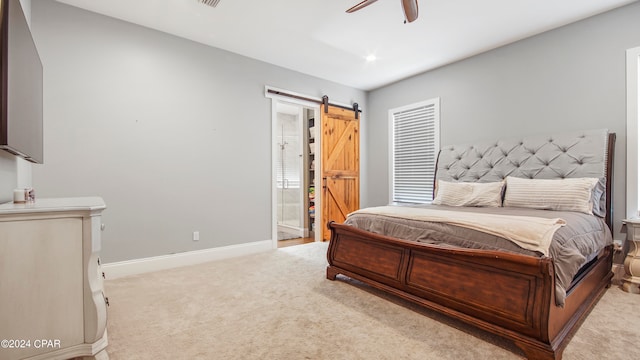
530	295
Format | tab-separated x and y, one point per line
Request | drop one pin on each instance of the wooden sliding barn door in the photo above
340	165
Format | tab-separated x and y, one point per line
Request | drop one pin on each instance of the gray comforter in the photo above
573	245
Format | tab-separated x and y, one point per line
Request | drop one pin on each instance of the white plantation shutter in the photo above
415	135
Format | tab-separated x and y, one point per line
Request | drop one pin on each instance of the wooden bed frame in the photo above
510	295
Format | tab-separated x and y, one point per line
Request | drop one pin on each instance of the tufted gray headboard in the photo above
558	156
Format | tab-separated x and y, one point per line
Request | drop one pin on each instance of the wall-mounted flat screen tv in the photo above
21	127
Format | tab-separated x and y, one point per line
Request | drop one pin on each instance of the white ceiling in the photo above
318	38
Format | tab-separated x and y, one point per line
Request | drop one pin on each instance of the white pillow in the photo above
468	194
562	194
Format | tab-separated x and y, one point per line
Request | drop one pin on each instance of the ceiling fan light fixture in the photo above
212	3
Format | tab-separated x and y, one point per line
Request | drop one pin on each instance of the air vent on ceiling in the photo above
212	3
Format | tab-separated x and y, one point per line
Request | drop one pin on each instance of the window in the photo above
415	142
289	161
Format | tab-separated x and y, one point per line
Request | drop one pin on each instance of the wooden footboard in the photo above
507	294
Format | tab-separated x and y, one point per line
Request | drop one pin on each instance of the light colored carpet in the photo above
279	305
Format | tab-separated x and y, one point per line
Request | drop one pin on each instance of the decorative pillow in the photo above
573	194
468	194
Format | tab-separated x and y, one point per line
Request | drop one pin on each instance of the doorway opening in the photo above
294	171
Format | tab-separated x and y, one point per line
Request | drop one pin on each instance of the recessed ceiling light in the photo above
371	58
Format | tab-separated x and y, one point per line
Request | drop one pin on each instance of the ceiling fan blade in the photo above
410	8
361	5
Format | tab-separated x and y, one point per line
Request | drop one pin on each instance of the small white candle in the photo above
18	196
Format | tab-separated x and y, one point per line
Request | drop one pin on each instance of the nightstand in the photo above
631	278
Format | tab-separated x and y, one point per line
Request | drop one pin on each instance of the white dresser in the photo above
52	302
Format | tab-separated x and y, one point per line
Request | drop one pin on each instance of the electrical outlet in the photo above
196	235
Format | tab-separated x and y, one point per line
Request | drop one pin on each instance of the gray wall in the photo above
566	79
8	176
174	135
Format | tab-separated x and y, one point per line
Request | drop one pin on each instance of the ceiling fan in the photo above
410	8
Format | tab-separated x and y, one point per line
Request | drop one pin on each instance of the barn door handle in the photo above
324	182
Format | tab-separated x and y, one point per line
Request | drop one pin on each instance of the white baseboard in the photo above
138	266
